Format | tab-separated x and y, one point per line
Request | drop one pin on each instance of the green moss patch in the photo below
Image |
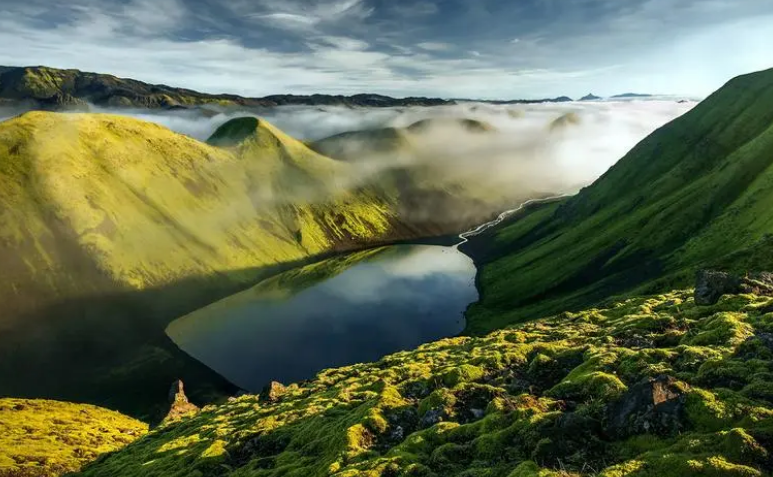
613	391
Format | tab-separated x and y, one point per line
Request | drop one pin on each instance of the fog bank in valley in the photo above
537	149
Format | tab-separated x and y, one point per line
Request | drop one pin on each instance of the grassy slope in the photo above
535	400
112	227
695	193
48	438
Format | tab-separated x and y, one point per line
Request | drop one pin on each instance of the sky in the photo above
482	49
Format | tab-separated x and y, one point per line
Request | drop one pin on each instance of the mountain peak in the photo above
234	132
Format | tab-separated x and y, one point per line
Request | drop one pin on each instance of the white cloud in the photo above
299	16
149	16
679	46
434	46
344	43
290	21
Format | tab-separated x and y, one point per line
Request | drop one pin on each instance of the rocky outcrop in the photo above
655	406
711	285
180	406
272	392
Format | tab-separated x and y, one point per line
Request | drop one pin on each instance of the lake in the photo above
350	309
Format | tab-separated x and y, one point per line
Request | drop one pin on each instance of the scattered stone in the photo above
180	406
655	406
432	417
572	439
711	285
272	392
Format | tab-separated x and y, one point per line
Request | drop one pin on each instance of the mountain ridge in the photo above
58	88
54	89
688	196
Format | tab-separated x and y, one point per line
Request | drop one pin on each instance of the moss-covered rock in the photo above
453	408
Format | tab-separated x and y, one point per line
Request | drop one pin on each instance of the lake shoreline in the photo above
468	242
476	245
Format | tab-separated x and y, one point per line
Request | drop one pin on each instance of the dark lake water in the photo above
341	311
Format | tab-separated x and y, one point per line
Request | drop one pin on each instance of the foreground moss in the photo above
48	438
547	398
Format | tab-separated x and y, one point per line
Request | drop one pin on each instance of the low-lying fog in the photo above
568	145
561	146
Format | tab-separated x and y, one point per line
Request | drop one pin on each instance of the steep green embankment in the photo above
695	193
648	387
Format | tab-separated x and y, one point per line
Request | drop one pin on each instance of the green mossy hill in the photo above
695	194
437	185
144	206
233	132
369	144
111	227
466	124
49	438
356	146
652	386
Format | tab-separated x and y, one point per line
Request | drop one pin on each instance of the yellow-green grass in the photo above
112	227
49	438
535	399
696	193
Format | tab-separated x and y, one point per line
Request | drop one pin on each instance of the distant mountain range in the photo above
53	89
631	95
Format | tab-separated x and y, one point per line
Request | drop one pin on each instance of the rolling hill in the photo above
694	194
364	144
112	227
438	183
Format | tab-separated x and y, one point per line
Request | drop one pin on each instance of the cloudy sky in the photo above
451	48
